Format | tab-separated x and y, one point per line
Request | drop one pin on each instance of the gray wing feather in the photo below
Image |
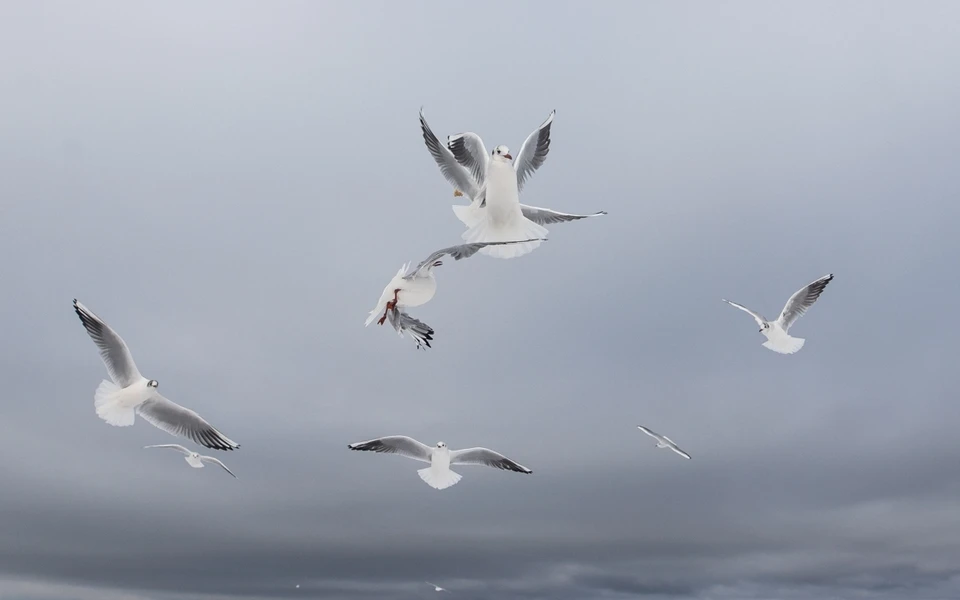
533	152
113	351
395	444
455	174
545	216
470	152
802	300
460	252
486	457
178	420
217	461
177	447
649	432
421	333
757	316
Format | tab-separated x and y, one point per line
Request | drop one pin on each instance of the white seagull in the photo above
194	459
663	441
778	339
465	163
437	588
417	286
118	402
438	475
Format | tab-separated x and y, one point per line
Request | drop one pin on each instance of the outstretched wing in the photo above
533	152
177	447
649	432
545	216
673	446
455	174
486	457
802	300
757	317
421	333
460	252
395	444
178	420
113	351
217	461
470	152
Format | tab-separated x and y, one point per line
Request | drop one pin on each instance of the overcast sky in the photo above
231	184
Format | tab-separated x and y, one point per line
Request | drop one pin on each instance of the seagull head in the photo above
502	151
441	445
764	327
153	383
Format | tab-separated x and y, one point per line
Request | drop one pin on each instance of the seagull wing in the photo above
459	252
177	420
114	352
458	176
396	444
802	300
421	333
673	446
533	152
177	447
217	461
470	152
650	432
545	216
757	317
486	457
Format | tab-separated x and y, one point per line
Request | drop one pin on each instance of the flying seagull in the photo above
117	402
438	475
464	163
193	459
778	339
663	441
416	286
437	588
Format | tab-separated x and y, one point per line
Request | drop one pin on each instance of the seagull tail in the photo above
785	345
518	228
438	480
469	214
109	408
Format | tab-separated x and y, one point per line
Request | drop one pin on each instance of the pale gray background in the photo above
230	185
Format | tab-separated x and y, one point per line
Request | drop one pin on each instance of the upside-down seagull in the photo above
663	441
118	402
194	459
465	164
417	286
438	475
778	339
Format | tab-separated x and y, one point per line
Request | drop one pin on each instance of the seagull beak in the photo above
508	156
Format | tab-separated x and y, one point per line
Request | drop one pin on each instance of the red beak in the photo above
508	156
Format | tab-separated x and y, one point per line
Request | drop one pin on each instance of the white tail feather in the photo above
470	214
785	345
106	400
519	228
438	481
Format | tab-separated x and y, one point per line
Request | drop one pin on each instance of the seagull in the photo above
464	162
118	402
193	459
416	286
776	332
438	475
437	588
663	441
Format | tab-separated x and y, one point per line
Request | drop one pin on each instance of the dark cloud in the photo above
230	185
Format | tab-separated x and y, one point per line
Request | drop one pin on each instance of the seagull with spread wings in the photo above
438	475
129	393
492	182
194	459
663	441
778	339
416	286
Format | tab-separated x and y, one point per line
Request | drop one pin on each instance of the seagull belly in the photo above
503	197
194	462
417	291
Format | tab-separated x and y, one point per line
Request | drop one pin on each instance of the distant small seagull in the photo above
438	475
663	441
417	286
776	332
193	459
465	163
437	588
130	393
298	586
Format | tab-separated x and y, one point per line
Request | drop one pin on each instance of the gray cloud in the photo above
230	185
